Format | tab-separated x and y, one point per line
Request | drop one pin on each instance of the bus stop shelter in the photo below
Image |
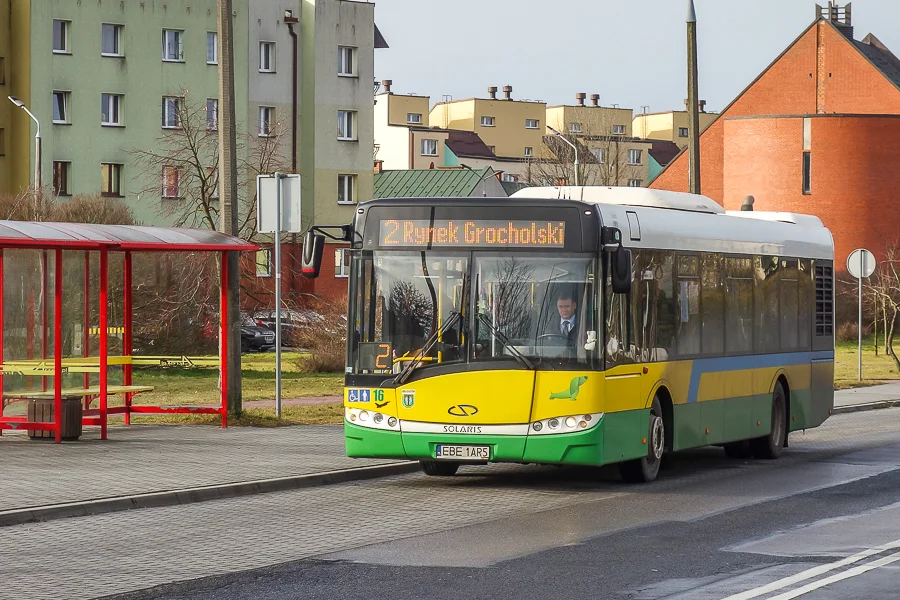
46	244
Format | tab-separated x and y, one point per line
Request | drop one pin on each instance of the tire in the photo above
738	450
644	470
769	447
439	468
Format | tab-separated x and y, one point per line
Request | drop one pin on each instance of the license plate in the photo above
454	452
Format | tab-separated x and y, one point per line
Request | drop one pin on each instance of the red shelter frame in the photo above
57	237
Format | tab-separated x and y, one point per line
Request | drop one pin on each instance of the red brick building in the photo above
817	132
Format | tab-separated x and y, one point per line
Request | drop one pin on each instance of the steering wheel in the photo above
564	339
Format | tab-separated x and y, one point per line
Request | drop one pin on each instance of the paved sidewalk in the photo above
143	459
874	396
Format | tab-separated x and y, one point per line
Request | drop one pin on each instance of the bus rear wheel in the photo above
439	468
770	446
644	470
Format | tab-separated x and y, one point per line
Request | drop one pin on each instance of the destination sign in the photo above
472	232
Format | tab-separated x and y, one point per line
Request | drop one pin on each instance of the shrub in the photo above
324	337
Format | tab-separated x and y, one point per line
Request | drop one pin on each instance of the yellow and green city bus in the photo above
582	326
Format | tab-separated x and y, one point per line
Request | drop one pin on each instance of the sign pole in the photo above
278	208
862	256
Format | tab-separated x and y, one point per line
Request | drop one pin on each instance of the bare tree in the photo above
182	166
603	157
885	286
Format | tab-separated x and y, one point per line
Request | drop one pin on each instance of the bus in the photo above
581	326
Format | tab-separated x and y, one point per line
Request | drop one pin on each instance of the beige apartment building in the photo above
512	129
671	126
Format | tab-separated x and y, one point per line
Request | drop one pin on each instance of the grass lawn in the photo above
876	369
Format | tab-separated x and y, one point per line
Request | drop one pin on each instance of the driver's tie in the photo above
565	327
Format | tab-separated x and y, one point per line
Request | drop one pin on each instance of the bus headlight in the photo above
567	424
372	420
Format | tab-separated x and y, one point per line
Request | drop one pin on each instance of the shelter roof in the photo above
88	236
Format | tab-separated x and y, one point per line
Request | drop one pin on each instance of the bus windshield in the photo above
437	307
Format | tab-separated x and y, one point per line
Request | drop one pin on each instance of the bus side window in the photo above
689	325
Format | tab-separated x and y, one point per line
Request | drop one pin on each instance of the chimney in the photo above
837	15
492	92
580	96
701	105
507	91
748	204
386	84
379	166
595	99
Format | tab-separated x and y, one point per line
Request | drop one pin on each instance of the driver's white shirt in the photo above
570	321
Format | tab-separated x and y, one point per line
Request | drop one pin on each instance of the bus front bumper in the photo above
576	448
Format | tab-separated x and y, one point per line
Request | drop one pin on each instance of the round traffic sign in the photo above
861	263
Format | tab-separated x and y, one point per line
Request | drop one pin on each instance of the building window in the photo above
61	36
413	118
346	61
111	40
487	121
171	112
61	170
575	127
267	57
61	107
266	126
212	48
346	189
682	132
173	45
510	178
346	124
111	179
212	114
429	147
492	148
618	130
599	155
264	262
342	262
634	156
170	176
529	151
634	183
111	109
531	123
807	156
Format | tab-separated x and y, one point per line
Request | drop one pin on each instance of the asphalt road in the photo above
822	523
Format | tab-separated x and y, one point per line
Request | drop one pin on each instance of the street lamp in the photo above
483	177
37	148
574	147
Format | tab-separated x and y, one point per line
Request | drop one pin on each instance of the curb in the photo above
865	406
199	494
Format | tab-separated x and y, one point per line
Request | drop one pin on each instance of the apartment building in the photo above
512	129
141	61
671	126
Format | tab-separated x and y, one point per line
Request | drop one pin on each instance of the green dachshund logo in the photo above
572	392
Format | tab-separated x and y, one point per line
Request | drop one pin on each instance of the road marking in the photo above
855	571
814	572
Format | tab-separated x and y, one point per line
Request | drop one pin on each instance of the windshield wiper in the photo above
426	347
506	342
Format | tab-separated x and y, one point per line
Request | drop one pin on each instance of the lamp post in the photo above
483	177
574	147
290	20
37	151
693	107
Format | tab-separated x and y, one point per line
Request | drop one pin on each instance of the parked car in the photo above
255	336
291	322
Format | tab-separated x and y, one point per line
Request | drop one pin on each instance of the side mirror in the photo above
620	268
610	238
311	260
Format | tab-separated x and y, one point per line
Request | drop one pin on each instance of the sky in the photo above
631	52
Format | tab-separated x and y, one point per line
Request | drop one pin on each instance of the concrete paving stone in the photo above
144	458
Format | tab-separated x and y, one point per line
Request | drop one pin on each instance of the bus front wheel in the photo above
770	446
436	468
644	470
